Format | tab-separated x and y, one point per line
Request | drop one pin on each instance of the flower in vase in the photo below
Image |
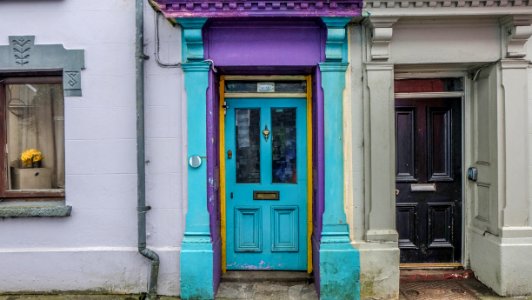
31	158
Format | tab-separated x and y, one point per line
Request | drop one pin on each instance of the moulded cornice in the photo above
383	4
450	8
514	64
251	8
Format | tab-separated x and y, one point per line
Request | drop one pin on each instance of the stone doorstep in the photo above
434	275
267	276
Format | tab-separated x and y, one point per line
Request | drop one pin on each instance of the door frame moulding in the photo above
465	99
221	137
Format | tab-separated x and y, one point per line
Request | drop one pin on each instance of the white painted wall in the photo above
95	248
529	57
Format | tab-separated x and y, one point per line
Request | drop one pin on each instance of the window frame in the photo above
5	193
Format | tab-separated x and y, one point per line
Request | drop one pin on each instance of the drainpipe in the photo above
141	156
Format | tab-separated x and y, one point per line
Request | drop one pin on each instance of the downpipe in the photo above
141	155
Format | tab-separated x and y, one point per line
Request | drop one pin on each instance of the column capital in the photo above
199	66
381	36
333	66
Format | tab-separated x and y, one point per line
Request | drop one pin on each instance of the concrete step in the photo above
267	276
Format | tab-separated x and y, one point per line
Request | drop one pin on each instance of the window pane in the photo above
247	145
35	134
284	145
279	86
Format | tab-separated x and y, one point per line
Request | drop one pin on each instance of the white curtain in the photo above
35	119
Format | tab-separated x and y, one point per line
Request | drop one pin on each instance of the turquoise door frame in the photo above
338	270
266	234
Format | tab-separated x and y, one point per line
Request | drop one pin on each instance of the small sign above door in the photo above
265	87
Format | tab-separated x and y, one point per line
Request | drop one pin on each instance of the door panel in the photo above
266	181
429	179
485	150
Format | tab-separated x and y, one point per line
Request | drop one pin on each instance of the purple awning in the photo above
253	8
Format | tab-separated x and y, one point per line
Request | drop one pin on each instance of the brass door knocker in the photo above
266	133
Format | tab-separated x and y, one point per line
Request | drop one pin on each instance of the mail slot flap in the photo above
266	195
423	187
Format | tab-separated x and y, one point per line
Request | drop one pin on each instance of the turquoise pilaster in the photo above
197	255
339	260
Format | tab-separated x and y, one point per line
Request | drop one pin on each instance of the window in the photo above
32	130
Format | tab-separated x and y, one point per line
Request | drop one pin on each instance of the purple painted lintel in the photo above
271	42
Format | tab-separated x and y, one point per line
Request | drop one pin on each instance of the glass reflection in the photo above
284	145
247	145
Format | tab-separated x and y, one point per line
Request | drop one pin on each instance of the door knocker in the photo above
266	133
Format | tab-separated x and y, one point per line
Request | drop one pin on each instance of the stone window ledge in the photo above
31	209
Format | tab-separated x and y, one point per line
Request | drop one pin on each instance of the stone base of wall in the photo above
379	270
503	264
107	270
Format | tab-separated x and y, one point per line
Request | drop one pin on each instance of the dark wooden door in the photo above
429	179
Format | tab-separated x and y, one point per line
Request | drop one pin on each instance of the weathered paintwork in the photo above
197	255
270	8
233	47
339	262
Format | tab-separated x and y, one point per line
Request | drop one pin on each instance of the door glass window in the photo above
284	145
247	145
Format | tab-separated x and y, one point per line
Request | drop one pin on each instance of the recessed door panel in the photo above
429	179
248	229
266	184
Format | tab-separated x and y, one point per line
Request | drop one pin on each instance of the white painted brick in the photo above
164	155
101	123
109	191
164	218
106	91
162	121
117	156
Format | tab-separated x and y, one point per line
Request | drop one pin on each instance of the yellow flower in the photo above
30	156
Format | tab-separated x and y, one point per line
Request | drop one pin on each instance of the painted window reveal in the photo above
34	135
248	145
284	145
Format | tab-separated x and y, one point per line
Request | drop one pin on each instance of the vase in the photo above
32	178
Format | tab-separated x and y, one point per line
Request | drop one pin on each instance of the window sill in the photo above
32	209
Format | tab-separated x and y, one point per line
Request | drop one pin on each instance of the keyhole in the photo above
231	195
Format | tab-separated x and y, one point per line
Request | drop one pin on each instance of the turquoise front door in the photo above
266	184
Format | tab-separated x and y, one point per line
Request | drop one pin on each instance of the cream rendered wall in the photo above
96	247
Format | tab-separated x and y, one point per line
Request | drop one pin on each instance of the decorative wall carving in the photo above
381	36
336	38
23	55
250	8
21	48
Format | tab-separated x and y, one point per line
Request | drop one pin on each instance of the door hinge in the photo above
225	107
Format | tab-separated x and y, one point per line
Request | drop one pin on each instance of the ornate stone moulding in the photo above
382	4
251	8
